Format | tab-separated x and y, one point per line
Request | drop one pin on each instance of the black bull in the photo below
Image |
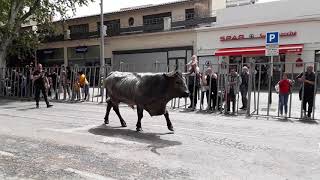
148	91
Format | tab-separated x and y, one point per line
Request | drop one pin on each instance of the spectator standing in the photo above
234	81
308	80
84	84
284	88
204	89
244	87
213	88
39	79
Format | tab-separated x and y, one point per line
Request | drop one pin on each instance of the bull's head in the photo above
177	84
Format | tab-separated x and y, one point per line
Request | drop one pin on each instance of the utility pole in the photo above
102	63
102	33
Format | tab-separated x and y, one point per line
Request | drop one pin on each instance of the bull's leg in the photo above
140	116
169	124
109	106
116	109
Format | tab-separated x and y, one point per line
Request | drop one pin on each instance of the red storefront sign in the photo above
253	36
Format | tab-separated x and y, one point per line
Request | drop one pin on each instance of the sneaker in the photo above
49	106
286	115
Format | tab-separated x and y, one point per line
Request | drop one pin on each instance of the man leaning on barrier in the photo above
308	80
38	78
244	87
234	82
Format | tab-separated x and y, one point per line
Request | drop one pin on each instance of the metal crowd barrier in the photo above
262	98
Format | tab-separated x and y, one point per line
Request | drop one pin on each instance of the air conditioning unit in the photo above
67	34
167	23
105	28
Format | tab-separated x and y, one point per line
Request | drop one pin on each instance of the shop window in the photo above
80	28
131	21
155	18
317	60
189	14
113	27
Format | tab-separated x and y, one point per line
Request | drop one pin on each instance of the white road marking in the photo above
116	140
209	132
3	153
71	130
88	175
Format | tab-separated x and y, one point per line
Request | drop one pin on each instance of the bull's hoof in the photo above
170	128
106	121
123	124
139	129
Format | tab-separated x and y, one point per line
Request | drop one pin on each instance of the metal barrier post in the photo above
316	70
226	84
249	90
281	66
269	89
302	93
94	82
89	79
217	93
210	92
290	105
239	71
254	88
194	91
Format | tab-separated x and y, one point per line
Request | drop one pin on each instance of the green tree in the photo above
14	13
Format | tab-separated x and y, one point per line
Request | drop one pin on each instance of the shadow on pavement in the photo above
308	121
153	140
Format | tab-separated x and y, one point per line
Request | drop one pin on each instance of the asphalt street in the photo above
70	141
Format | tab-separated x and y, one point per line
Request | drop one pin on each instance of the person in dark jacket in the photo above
193	86
308	80
38	78
213	88
244	87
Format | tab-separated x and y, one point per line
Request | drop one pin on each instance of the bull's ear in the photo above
169	74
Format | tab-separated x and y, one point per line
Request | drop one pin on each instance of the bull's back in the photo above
121	86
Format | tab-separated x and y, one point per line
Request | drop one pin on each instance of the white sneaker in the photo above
286	115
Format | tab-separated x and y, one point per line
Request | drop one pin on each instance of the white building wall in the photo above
307	33
268	12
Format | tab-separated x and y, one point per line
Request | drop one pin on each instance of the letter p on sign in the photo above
272	38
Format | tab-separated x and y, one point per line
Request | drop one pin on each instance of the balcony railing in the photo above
175	25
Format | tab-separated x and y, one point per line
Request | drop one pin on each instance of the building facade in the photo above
149	35
239	34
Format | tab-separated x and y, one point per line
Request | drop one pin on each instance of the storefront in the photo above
299	43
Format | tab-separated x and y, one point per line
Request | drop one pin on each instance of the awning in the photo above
259	50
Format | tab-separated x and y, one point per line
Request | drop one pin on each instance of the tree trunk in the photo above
2	58
3	51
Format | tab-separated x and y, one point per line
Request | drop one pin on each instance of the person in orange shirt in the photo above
83	82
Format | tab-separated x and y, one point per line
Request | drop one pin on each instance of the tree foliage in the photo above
15	13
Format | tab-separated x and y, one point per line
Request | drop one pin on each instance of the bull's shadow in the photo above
153	140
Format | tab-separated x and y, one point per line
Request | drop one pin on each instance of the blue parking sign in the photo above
272	38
